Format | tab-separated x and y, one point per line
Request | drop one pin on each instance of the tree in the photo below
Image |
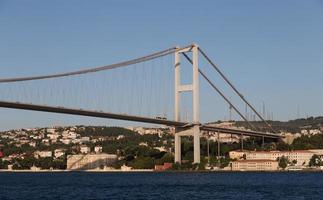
224	162
3	164
176	166
294	162
143	163
315	161
167	158
282	146
282	162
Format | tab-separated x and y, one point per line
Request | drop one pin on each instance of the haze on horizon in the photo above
273	52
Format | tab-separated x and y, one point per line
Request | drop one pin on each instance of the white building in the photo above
66	141
43	154
45	141
59	153
314	131
65	134
143	144
85	149
161	149
53	136
72	135
98	149
304	132
32	144
85	139
254	165
51	130
301	157
125	168
120	137
34	168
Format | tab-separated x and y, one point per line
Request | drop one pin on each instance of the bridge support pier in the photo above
178	146
193	131
194	88
197	146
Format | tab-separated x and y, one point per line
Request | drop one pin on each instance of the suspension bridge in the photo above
148	89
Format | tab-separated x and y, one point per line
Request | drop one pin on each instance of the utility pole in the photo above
230	111
263	110
241	136
219	145
298	115
208	147
246	112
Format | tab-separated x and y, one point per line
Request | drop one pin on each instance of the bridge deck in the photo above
62	110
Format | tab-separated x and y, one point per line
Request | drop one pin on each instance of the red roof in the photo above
1	154
163	167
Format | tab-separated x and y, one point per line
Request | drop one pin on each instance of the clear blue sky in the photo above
273	50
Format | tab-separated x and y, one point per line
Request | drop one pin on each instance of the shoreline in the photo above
154	171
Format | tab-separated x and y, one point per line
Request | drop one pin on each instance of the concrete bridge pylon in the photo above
194	88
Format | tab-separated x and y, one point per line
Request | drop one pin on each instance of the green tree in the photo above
224	162
143	163
3	164
176	166
167	158
315	161
282	162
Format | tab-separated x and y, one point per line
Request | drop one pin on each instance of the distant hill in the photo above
293	126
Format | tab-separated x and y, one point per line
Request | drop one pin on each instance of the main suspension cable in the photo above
97	69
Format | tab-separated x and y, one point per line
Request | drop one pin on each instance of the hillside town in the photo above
151	148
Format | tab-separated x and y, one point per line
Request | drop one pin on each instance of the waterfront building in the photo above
90	161
163	167
34	168
299	157
254	165
125	168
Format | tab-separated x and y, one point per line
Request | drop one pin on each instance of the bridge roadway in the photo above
71	111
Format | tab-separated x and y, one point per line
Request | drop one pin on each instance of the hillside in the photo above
293	126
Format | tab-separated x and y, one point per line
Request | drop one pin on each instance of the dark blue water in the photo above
161	186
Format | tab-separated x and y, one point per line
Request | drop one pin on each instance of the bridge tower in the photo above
194	88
